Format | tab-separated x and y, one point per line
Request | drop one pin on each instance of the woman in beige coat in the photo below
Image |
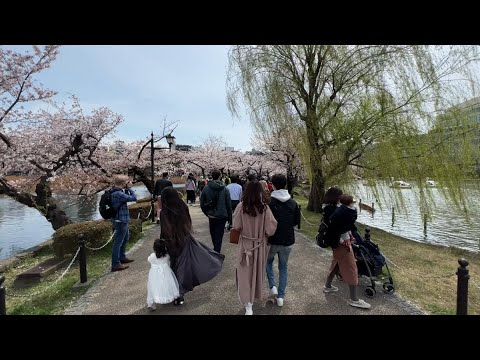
255	221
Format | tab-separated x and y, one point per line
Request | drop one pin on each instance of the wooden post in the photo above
82	260
3	306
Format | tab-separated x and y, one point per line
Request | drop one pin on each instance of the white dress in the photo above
162	285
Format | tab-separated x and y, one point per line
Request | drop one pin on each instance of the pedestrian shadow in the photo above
188	308
267	307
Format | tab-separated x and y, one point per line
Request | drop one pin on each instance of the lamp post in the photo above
170	140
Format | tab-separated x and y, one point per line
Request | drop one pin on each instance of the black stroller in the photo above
370	262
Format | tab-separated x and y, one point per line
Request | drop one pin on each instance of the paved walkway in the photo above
125	292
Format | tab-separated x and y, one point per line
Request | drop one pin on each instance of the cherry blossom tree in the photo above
18	85
209	156
65	145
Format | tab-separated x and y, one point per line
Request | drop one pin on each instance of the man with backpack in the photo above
287	213
120	195
216	204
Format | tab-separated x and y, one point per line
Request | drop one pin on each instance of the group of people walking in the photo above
264	218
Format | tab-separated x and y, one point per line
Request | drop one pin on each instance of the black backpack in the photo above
107	211
322	237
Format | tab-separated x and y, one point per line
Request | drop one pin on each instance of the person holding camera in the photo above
120	221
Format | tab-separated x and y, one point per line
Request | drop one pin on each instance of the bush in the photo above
135	229
134	209
96	233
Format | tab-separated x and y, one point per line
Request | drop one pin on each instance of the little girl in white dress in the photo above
162	285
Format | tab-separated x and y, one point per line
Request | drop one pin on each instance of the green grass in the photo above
59	297
436	295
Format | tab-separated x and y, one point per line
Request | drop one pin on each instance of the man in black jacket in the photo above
216	204
287	213
159	186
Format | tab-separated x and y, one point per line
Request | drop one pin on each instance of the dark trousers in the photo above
217	229
234	205
191	196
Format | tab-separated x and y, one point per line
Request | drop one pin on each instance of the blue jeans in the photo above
120	239
283	254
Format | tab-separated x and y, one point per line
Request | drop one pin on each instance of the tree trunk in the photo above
43	202
143	175
317	192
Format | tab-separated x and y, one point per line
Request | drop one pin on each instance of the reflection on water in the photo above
22	227
446	227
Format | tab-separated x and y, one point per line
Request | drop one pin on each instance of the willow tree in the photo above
349	98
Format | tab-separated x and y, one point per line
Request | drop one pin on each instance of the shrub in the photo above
134	209
96	233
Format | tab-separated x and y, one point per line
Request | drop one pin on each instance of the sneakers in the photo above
359	303
279	301
273	291
331	289
152	307
249	309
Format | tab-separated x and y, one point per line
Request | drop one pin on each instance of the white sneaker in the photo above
330	289
249	309
359	303
152	307
273	291
279	301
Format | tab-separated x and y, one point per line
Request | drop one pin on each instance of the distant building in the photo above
183	147
254	152
229	148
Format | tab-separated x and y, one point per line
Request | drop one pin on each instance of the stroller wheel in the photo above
370	292
388	288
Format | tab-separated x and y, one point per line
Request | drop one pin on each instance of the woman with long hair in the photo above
255	221
192	262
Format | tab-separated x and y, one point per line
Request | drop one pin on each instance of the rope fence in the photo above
101	247
308	223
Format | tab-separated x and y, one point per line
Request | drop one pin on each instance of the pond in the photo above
22	227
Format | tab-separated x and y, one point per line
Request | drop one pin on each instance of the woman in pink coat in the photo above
256	222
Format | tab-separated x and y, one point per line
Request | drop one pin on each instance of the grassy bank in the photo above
57	298
430	289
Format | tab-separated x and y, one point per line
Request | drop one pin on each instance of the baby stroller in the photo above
370	262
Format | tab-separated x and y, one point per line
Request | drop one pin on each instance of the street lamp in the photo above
170	140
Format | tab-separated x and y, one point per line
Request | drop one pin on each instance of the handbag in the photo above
234	236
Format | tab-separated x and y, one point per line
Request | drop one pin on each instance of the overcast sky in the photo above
147	83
